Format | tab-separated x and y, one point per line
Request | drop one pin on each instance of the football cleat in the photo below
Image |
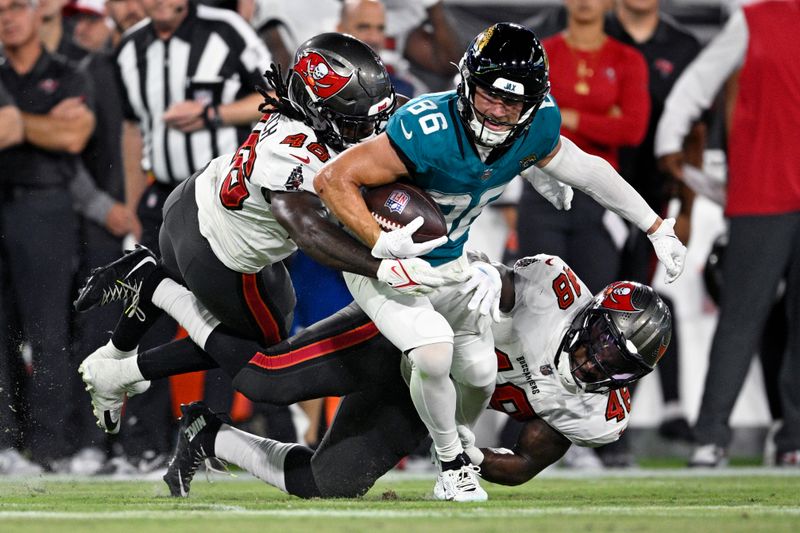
118	281
109	351
108	388
460	485
196	423
709	456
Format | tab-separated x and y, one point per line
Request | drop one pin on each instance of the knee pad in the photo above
432	360
477	371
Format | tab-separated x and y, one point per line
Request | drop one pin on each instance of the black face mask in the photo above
606	363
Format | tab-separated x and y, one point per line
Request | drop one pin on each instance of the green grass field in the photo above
741	500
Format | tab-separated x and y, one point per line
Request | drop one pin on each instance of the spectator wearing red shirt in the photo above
601	87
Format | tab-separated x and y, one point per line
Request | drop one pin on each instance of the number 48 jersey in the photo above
429	136
548	297
234	212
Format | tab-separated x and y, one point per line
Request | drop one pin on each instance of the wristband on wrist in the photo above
211	116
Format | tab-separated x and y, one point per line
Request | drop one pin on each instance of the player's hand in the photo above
555	192
669	249
485	281
399	244
413	275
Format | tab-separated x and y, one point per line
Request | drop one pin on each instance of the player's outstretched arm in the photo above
538	447
302	215
597	178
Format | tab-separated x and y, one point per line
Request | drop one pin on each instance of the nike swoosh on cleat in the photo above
110	424
140	263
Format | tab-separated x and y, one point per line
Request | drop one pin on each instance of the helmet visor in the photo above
605	362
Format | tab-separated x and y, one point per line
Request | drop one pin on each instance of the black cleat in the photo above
197	425
120	280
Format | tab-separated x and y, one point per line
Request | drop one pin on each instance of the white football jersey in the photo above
232	193
548	297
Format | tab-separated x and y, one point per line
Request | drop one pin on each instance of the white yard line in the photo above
227	512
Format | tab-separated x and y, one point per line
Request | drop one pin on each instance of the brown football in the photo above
396	204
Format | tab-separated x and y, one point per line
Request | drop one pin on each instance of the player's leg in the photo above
413	326
372	431
257	305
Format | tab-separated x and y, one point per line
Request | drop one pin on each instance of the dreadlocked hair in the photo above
280	102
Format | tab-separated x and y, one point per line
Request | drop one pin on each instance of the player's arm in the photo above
596	177
538	447
302	215
338	183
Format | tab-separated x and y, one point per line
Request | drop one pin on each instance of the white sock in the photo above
264	458
179	303
129	370
434	397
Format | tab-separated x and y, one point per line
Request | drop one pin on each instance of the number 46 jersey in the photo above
548	296
234	212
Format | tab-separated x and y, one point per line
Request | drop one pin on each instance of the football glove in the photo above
669	249
413	275
398	244
485	281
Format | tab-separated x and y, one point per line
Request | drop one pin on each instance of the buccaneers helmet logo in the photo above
319	76
617	297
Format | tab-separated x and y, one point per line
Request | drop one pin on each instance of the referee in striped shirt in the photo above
188	74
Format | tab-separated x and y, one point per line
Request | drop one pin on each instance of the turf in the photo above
645	501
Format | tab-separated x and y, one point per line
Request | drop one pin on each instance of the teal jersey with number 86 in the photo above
432	141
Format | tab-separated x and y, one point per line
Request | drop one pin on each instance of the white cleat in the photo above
108	388
460	485
109	351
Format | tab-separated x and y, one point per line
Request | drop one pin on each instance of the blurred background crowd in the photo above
87	162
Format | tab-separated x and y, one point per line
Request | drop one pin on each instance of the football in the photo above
396	204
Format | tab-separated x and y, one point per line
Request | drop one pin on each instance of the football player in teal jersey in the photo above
463	147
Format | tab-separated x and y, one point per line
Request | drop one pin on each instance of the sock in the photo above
183	306
264	458
130	330
177	357
461	459
434	397
129	371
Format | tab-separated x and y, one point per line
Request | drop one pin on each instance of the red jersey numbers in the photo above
298	140
295	141
510	399
566	286
320	151
619	404
233	191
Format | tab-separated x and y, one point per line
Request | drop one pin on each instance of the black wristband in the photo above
212	122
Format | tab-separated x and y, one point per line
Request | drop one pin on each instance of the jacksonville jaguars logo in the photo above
319	75
618	297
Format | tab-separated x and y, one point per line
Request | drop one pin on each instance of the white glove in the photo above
413	275
669	249
398	244
485	281
555	192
